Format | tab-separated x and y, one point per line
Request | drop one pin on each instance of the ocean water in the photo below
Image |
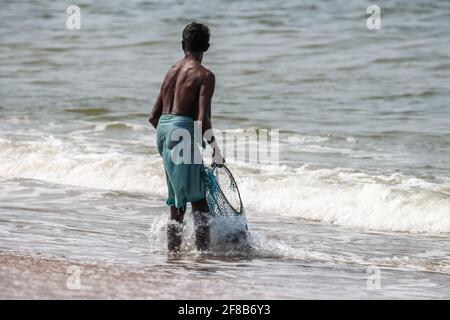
363	182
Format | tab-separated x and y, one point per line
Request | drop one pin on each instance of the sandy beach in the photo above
27	277
38	277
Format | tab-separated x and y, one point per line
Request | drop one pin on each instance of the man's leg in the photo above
175	228
201	218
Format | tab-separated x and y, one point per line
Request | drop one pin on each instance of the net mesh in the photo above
222	194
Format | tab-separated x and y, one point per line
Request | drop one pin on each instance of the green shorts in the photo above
181	156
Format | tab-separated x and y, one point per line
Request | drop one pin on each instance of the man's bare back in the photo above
181	87
187	89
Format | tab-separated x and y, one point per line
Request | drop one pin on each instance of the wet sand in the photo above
30	277
34	277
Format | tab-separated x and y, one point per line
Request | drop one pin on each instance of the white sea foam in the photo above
63	162
229	236
103	126
347	198
258	245
337	196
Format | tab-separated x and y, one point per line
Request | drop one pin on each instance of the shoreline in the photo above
38	277
26	276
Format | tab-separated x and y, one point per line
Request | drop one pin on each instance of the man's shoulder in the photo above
207	74
173	69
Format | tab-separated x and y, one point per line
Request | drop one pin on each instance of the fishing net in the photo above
224	202
222	194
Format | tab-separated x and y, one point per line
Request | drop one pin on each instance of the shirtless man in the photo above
185	97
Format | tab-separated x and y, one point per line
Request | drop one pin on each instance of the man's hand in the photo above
154	120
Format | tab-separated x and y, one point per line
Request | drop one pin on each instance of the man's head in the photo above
195	37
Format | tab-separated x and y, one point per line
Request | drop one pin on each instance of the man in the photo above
185	97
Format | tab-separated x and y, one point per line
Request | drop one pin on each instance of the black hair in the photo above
196	37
